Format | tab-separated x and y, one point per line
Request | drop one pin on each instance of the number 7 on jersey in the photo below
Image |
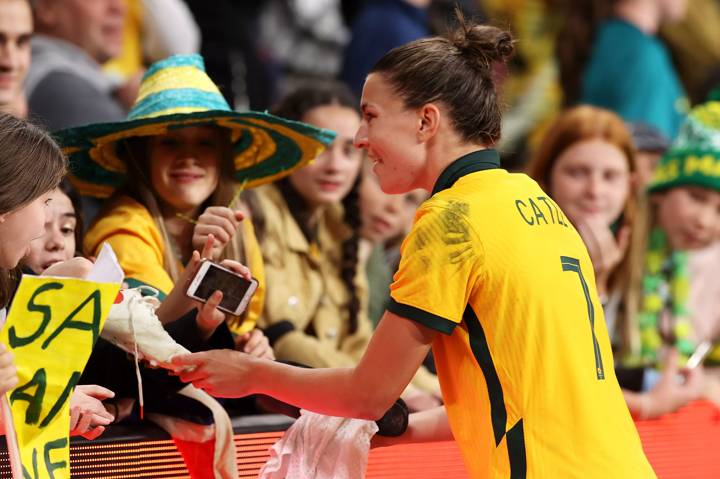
572	264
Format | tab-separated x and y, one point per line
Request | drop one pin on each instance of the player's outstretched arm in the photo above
424	426
394	354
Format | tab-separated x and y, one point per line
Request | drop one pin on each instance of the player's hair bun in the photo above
481	45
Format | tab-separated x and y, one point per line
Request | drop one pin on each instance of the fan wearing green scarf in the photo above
682	214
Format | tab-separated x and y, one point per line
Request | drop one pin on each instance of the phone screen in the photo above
233	287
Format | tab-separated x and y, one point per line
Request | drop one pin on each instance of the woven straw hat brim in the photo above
265	147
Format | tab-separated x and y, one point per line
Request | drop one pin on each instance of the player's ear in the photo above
429	118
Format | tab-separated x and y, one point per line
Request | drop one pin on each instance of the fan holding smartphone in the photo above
236	289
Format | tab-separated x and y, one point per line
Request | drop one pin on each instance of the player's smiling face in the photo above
388	132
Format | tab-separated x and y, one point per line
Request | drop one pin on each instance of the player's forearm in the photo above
425	426
335	392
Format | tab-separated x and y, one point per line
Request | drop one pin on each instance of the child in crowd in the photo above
681	215
650	145
386	219
31	168
63	231
309	227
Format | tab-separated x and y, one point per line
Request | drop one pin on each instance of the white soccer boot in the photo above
133	326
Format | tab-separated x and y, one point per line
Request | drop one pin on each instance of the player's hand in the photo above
676	387
77	267
219	372
88	416
255	343
606	250
219	221
8	373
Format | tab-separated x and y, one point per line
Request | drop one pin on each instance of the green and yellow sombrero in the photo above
176	92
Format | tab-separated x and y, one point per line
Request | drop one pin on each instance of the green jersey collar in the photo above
466	164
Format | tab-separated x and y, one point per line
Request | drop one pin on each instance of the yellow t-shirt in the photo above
131	231
524	358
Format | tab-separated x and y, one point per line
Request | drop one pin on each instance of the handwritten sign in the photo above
51	329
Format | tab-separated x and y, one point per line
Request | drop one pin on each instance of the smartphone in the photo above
236	290
699	355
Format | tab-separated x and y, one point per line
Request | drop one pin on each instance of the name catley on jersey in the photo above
524	357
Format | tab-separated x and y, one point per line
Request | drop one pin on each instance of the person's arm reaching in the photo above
394	354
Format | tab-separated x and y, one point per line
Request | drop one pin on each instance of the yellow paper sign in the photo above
51	329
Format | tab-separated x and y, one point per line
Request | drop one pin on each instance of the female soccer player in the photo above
492	275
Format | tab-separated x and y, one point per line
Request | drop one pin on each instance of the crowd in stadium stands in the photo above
612	106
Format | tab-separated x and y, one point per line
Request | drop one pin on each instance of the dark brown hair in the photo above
31	164
458	72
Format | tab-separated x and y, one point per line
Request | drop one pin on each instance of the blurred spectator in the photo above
610	57
711	89
530	87
650	145
379	27
66	86
695	45
63	231
153	30
682	215
16	28
441	14
383	220
230	45
704	300
305	39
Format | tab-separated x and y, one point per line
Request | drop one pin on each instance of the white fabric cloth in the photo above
321	447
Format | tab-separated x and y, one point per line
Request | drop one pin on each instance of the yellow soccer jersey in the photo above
524	358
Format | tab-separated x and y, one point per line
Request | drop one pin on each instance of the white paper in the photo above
106	268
